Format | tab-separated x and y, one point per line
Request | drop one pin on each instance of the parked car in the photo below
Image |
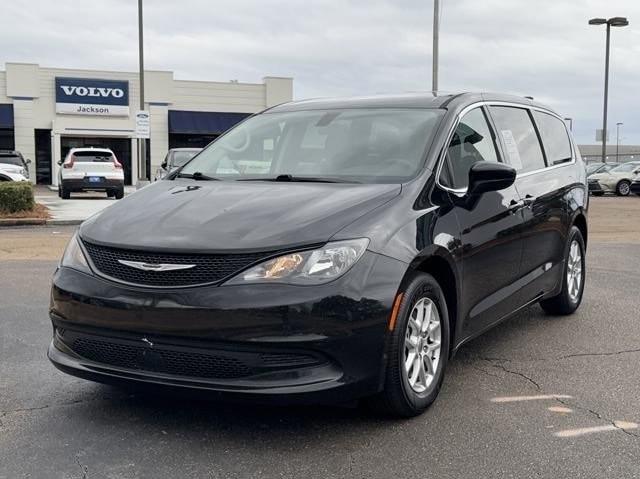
15	158
635	186
383	234
594	168
10	172
617	180
91	169
175	158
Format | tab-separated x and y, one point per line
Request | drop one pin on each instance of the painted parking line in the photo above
560	409
539	397
591	430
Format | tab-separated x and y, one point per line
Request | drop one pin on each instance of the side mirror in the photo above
28	161
60	162
163	165
485	176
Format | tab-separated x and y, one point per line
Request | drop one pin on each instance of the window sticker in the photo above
512	149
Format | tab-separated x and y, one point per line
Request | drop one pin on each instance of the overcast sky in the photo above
542	48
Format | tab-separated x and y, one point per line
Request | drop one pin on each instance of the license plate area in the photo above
95	179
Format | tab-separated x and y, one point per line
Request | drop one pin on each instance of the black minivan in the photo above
330	250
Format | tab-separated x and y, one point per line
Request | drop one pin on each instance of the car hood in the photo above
214	216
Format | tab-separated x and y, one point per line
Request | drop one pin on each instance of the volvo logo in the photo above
92	91
155	266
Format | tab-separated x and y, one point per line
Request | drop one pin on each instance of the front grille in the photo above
178	361
209	268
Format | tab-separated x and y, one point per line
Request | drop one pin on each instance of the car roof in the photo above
453	100
97	150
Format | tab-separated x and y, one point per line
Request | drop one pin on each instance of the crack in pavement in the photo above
469	357
564	402
83	468
46	406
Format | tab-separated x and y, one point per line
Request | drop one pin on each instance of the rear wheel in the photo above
111	193
623	188
65	194
119	193
572	280
418	350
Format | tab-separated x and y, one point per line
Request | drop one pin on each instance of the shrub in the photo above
16	196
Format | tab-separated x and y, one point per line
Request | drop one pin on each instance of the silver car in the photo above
176	157
617	180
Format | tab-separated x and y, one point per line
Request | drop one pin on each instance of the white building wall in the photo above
159	135
23	120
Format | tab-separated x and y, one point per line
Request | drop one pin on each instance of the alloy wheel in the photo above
574	271
422	345
623	188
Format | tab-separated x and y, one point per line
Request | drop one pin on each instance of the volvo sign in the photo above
88	96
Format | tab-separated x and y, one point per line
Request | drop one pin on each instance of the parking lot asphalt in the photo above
537	396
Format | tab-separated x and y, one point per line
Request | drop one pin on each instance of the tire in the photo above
59	192
111	193
65	194
119	193
569	298
623	188
597	193
399	398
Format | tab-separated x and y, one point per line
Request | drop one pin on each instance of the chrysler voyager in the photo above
330	250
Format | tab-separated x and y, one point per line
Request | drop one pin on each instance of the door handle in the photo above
528	200
515	205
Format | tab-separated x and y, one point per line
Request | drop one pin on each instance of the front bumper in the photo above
594	186
306	344
635	187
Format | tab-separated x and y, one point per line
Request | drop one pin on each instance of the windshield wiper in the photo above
301	179
198	175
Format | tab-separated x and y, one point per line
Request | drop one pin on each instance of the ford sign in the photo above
88	96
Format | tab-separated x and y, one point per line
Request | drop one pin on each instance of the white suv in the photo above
91	169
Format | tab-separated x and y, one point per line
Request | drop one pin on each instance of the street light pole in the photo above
611	22
436	40
570	120
142	143
618	125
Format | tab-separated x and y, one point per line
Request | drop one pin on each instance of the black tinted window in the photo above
554	138
522	147
471	142
93	156
11	160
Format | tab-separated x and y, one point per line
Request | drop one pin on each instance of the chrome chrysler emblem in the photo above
155	266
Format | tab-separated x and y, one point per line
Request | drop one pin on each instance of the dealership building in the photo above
46	111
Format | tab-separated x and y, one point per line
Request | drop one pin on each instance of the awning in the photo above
203	122
6	116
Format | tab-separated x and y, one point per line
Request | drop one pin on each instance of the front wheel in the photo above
418	350
623	188
573	278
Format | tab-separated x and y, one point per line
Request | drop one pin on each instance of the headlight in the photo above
307	267
73	256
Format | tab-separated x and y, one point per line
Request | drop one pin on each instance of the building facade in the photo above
46	111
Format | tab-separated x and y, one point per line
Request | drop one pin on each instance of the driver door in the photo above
490	227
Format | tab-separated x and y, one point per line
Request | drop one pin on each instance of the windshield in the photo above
593	168
11	160
361	145
181	157
625	168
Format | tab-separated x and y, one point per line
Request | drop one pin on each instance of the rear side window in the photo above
471	143
519	137
93	156
554	138
11	160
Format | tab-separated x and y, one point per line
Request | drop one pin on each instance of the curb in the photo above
8	222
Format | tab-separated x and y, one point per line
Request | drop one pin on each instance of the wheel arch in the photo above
580	222
439	264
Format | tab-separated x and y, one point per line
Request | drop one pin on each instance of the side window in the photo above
522	147
554	138
472	142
